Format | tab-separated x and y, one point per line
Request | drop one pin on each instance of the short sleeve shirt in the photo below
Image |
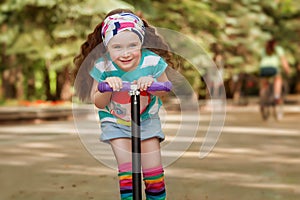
272	60
119	108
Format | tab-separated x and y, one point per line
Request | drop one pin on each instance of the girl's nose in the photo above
126	52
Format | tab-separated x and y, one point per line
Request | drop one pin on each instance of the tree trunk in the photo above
8	86
19	83
59	84
47	80
30	85
7	76
65	85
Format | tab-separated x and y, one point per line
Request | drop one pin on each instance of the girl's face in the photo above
125	50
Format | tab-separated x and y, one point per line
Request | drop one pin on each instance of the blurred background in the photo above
48	159
39	39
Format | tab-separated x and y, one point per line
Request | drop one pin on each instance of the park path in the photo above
59	160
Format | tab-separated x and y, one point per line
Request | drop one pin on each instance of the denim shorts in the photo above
150	128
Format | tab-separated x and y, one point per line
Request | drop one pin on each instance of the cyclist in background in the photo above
272	59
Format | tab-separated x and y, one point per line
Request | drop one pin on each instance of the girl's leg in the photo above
152	168
277	87
122	150
263	87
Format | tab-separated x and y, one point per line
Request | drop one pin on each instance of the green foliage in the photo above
51	31
47	30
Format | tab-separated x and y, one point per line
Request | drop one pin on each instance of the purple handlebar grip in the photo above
104	87
155	86
160	86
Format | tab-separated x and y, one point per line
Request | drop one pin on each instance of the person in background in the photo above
214	76
272	61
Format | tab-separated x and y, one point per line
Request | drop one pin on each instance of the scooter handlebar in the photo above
155	86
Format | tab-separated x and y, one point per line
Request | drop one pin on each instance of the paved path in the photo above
60	160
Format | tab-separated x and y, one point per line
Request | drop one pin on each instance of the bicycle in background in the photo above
268	103
272	61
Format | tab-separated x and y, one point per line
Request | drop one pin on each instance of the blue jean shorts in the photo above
150	128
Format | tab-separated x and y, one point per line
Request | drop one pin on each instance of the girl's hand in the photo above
144	82
114	82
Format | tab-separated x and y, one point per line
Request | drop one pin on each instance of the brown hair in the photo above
270	47
93	48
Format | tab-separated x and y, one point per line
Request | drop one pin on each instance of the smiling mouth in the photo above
126	61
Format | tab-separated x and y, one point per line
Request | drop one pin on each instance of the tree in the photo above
241	27
40	38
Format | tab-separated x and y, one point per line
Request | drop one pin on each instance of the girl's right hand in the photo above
114	82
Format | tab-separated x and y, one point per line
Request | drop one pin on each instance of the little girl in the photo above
125	48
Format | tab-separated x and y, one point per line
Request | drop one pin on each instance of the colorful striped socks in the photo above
154	183
125	181
153	179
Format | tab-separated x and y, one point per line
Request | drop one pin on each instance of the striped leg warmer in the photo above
154	183
125	181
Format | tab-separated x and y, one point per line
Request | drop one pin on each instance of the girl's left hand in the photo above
144	82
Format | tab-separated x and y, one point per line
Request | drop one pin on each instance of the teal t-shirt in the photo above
119	108
272	60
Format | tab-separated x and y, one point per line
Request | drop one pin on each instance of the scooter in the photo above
135	127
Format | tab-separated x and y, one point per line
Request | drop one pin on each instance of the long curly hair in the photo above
93	48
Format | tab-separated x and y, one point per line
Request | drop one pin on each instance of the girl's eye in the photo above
133	45
117	47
